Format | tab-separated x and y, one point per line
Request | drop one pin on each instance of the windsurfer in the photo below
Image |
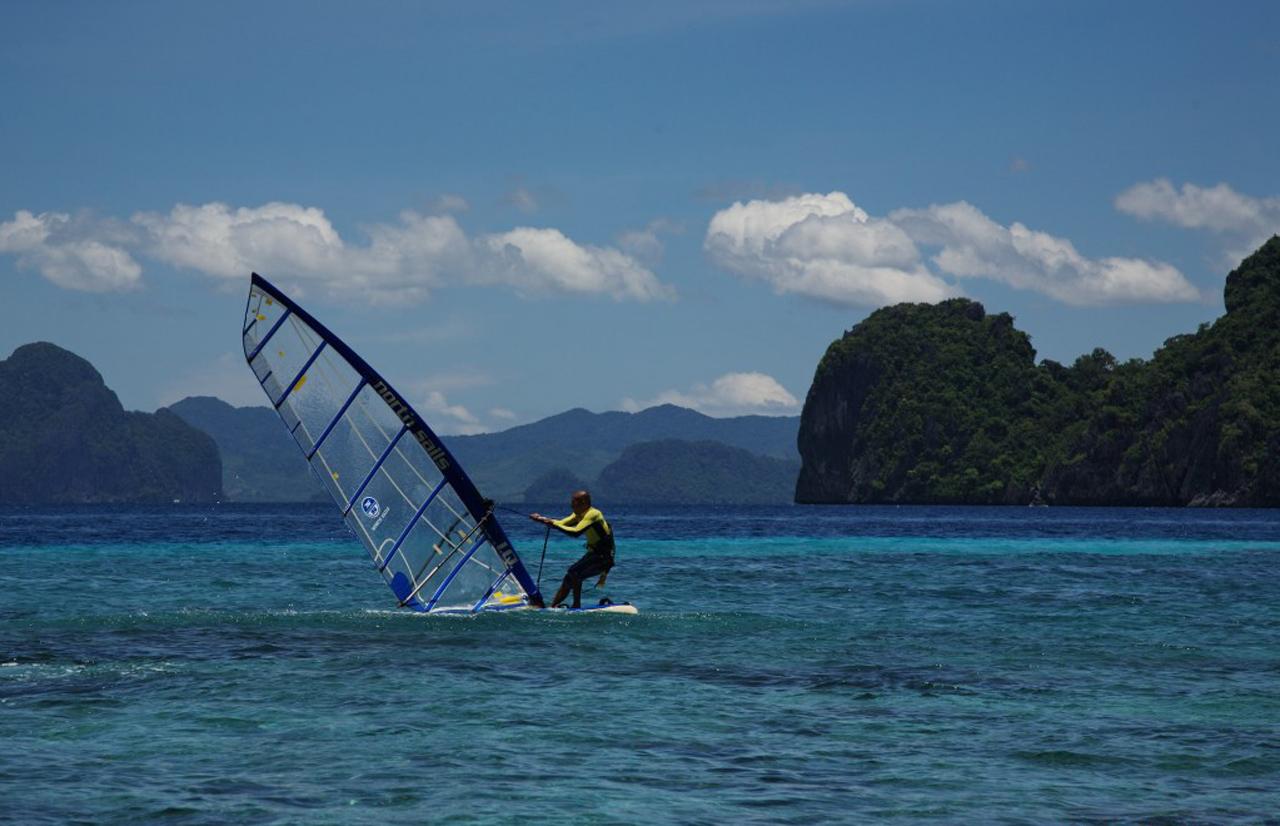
599	556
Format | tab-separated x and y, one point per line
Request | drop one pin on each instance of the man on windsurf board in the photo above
599	556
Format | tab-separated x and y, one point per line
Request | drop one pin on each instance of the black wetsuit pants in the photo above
592	564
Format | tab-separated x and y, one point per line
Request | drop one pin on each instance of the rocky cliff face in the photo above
943	403
911	406
1199	423
64	438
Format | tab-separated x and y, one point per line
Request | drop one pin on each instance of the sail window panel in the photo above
317	397
443	530
360	526
413	470
423	557
473	580
263	316
413	460
291	421
272	385
261	368
373	421
288	351
386	505
448	515
253	308
352	455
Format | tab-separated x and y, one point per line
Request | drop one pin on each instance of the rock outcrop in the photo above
65	438
945	404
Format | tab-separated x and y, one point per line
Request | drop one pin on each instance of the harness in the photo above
605	546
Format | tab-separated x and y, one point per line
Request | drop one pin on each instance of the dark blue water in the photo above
788	665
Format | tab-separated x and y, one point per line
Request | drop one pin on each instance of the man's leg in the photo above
578	571
562	593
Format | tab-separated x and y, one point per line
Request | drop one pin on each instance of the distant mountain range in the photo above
64	437
537	462
505	464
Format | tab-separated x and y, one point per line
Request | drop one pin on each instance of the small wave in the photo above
1064	758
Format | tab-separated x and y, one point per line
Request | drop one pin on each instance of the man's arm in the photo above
571	524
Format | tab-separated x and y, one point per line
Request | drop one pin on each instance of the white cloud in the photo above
1218	208
823	247
535	261
826	247
457	418
733	394
1245	221
218	240
647	244
974	246
503	413
66	252
402	261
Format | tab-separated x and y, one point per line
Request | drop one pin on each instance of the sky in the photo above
511	209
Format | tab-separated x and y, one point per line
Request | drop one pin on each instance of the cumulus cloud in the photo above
454	418
647	244
1243	221
733	394
974	246
400	261
537	260
1217	208
218	240
76	254
828	248
823	247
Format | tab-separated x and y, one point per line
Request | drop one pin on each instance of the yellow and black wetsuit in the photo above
599	556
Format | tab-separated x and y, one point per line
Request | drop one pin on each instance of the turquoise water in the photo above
788	665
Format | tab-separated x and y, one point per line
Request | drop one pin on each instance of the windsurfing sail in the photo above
432	536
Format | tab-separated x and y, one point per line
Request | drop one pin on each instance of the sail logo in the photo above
508	555
370	507
406	416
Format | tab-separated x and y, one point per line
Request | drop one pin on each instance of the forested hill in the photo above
675	471
540	462
945	404
582	443
260	460
65	438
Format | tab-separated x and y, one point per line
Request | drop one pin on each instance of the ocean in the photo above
789	665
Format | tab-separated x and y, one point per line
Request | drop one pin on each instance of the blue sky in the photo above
512	209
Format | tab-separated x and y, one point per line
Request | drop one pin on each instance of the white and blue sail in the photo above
432	536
